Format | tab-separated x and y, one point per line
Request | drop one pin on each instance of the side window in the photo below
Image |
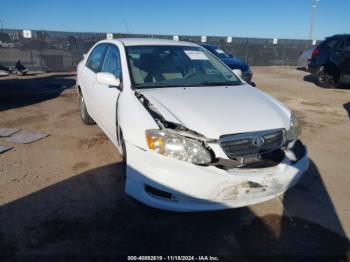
111	63
347	45
331	43
95	59
341	44
344	44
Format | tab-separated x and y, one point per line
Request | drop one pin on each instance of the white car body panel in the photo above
134	120
198	188
211	111
215	111
104	97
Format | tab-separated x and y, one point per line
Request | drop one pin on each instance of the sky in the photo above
237	18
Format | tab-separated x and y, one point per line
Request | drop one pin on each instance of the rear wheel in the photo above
326	78
85	117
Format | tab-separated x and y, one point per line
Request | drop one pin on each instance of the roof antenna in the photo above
126	26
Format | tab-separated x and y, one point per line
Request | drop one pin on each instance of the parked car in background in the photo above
241	68
4	71
193	136
5	41
330	61
304	59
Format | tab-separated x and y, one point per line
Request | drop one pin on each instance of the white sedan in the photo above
193	135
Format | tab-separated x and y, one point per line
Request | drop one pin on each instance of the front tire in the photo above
326	78
84	115
124	160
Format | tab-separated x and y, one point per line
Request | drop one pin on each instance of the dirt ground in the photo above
63	194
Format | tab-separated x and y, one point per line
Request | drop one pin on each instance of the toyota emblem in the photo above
258	141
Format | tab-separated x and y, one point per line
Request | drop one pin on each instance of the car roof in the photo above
338	36
208	45
150	41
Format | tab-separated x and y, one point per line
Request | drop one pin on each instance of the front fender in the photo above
134	119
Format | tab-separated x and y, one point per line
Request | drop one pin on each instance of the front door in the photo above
106	96
92	67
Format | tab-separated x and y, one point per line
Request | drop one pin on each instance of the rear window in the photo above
347	44
329	43
344	44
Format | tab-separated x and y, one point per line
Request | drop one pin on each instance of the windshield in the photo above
220	53
171	66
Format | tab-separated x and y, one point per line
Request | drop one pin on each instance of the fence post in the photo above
246	50
284	53
31	55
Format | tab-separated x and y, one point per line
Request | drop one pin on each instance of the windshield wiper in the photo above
207	83
154	86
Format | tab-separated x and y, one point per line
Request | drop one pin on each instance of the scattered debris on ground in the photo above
4	149
64	195
25	137
5	132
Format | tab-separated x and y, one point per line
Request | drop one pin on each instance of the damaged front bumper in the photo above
170	184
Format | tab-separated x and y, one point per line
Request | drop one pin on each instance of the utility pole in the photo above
313	13
0	25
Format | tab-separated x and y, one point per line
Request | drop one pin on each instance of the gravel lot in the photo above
64	195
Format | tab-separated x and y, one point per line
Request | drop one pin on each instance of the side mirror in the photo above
231	56
108	79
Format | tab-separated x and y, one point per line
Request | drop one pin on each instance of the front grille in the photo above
252	143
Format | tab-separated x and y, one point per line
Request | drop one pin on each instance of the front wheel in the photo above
326	78
124	160
84	115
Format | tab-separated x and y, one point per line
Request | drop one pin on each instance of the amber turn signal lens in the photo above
155	143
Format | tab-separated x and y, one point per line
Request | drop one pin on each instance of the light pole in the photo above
0	25
313	13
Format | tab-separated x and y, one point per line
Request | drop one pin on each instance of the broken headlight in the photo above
176	146
294	130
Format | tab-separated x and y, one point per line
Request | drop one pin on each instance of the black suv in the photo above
330	61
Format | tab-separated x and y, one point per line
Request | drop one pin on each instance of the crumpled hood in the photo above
218	110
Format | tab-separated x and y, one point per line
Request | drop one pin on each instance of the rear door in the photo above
105	97
346	61
92	67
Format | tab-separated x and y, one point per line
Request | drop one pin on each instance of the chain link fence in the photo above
62	51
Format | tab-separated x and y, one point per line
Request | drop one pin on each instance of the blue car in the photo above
231	62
